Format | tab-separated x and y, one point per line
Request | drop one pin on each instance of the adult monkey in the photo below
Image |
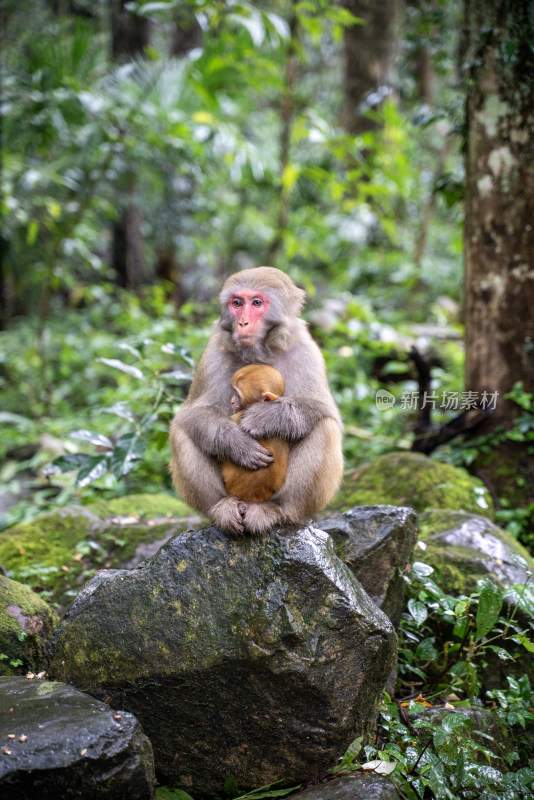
259	323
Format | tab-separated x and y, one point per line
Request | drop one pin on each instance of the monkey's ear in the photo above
269	396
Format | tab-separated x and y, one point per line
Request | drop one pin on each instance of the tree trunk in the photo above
499	227
128	258
187	33
369	57
130	34
286	122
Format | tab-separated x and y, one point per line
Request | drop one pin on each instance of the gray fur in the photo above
202	432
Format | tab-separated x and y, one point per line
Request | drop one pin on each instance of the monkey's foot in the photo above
262	517
228	515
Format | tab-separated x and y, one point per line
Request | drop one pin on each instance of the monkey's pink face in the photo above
248	309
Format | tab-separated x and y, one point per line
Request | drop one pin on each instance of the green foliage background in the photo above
195	144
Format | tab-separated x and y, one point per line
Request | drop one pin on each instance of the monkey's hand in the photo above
248	453
215	434
290	418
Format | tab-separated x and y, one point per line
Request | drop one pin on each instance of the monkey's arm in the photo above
291	418
217	435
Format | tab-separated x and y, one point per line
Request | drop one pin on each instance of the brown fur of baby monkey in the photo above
257	383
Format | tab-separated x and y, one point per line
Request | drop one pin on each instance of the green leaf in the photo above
426	651
181	352
121	409
421	570
489	606
72	461
129	449
15	419
418	611
133	350
456	720
118	364
525	641
350	754
460	769
231	788
503	654
269	790
93	437
94	468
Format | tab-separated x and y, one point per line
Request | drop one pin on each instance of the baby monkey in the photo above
253	384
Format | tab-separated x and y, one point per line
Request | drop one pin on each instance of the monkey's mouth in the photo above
248	338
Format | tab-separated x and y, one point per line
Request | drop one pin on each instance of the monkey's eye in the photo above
237	302
257	302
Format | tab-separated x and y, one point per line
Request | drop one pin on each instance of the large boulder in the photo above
58	742
26	622
415	480
259	659
376	543
463	548
55	551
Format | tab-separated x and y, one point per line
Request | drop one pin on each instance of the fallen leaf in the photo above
78	557
23	738
380	767
419	699
6	751
83	752
10	735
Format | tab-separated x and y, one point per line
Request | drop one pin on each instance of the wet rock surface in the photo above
463	548
56	742
352	787
376	543
258	658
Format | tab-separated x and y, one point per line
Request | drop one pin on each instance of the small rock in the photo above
71	746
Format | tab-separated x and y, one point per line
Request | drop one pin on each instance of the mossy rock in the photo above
56	552
463	548
26	622
415	480
261	658
145	506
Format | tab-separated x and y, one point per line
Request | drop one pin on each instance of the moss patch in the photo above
415	480
145	506
26	621
55	553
